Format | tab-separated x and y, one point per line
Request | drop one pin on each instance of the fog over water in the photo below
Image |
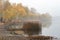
54	29
43	6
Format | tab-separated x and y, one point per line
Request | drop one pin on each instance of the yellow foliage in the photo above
9	13
21	10
12	11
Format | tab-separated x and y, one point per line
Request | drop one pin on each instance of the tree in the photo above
27	9
9	13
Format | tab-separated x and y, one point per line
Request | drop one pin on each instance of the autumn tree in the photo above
13	11
18	11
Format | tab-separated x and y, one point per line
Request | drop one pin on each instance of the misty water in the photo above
54	29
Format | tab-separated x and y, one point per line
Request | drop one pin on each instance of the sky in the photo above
45	6
42	6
